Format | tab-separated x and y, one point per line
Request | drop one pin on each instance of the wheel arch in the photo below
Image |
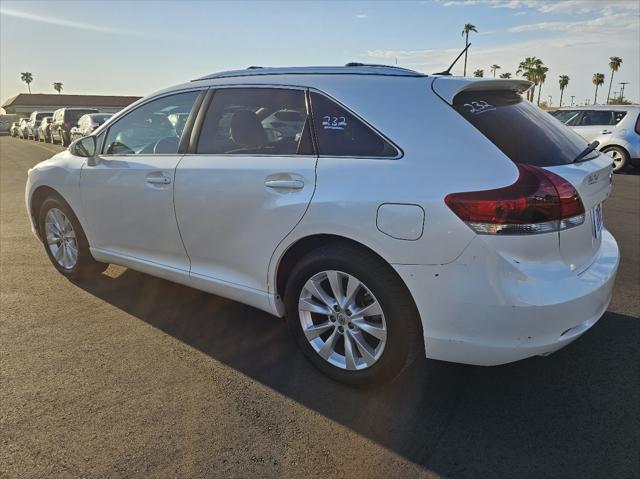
303	246
39	195
609	146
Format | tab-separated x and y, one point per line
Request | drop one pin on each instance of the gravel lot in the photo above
131	376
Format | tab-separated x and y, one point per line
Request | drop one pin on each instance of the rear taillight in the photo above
538	202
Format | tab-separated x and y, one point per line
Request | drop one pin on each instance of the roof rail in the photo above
377	65
349	69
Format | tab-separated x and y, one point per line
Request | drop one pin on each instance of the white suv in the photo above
406	214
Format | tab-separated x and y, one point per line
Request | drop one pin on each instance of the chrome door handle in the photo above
158	180
285	184
605	132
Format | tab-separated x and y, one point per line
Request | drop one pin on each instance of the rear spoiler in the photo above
448	87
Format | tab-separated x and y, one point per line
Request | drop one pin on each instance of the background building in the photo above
25	103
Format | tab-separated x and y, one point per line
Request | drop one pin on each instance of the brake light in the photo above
538	202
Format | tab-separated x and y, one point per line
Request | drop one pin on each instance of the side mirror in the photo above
84	147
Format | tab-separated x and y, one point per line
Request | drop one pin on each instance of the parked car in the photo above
88	123
44	130
615	127
23	128
34	123
63	120
14	130
409	214
5	122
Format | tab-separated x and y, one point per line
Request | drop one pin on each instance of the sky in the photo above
135	48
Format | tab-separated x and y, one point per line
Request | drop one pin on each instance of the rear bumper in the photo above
485	310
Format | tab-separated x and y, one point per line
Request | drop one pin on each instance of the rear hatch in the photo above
530	136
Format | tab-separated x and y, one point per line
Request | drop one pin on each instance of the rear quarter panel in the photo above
442	154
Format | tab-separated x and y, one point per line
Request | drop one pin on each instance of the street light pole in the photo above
623	83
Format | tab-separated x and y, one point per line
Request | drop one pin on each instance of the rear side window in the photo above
256	121
524	132
339	133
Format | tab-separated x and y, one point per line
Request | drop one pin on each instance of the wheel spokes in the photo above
314	331
367	353
367	327
338	323
326	350
308	304
316	290
335	281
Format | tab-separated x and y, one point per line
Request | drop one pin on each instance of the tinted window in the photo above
148	129
568	117
74	115
617	116
40	116
596	118
523	132
339	133
265	121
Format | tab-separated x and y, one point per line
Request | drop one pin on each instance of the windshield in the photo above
523	131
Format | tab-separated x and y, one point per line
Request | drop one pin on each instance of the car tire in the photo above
375	358
65	242
620	157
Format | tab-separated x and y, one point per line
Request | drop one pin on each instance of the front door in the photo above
245	187
127	194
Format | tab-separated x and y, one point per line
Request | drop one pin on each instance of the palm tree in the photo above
564	81
465	33
57	86
505	75
27	77
541	76
495	67
614	64
527	68
478	73
597	80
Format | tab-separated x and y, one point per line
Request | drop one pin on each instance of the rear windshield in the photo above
74	115
40	116
525	133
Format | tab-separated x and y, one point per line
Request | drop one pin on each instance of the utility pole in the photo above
623	83
572	97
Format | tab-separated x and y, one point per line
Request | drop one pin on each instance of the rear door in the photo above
246	184
594	123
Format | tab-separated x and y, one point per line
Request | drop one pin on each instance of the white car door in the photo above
244	188
594	123
127	193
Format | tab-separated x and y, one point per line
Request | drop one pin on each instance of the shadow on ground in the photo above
573	414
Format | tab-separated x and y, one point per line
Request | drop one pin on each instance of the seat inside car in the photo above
246	131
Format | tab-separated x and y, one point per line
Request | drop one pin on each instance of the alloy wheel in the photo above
618	159
61	238
342	320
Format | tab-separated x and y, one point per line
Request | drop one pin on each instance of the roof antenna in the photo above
447	72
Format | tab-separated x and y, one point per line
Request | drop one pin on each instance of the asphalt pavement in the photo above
133	376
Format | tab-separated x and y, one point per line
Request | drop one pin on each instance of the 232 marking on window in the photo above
334	122
478	107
